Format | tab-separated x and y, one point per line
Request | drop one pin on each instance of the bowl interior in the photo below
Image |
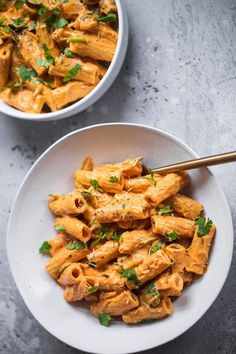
31	223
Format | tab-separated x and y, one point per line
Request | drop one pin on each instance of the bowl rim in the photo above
97	92
173	138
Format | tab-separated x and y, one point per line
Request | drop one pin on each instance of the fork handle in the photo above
196	163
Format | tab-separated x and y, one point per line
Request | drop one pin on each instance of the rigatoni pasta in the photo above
128	244
53	53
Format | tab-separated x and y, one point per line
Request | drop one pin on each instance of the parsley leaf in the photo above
172	236
48	55
72	72
59	228
114	179
157	247
26	74
64	1
55	21
167	209
42	62
94	183
102	233
116	236
68	53
42	9
77	39
93	289
123	206
204	226
19	21
15	85
45	247
75	245
151	289
131	276
109	18
20	3
104	319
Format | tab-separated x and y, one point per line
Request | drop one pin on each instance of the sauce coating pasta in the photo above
127	248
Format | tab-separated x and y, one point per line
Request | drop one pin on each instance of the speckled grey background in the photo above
179	75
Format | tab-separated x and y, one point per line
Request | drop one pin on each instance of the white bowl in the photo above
97	92
31	223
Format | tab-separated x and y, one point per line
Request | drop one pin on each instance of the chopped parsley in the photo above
131	276
204	226
26	74
64	1
156	248
42	10
75	245
93	289
104	319
151	179
72	72
102	233
123	206
77	39
172	263
48	55
15	85
151	290
45	247
116	236
59	228
20	3
109	18
165	210
85	194
68	53
172	236
114	179
55	21
94	183
18	21
42	62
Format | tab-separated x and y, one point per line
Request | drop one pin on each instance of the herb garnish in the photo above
48	55
77	39
109	18
42	62
165	210
45	247
26	74
116	236
19	21
75	245
204	226
151	179
20	3
59	228
157	247
72	72
102	233
131	276
42	10
55	21
93	289
123	206
172	236
94	183
114	179
104	319
15	85
68	53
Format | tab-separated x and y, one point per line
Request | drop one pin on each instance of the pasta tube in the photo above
131	240
186	207
104	253
163	225
166	187
74	227
169	284
70	204
146	312
115	304
199	250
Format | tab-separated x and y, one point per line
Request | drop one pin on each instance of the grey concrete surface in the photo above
179	75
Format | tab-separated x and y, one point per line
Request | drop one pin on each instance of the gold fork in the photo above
191	164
